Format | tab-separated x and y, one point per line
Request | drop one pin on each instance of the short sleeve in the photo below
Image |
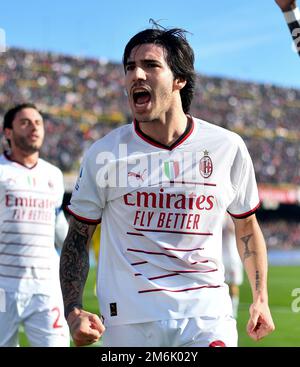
87	201
246	199
2	190
60	189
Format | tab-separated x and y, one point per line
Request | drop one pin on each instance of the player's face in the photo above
149	83
27	131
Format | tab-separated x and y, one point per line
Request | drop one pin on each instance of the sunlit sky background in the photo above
245	40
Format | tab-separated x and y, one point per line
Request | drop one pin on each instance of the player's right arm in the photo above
85	327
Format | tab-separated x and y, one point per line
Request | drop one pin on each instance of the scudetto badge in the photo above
205	165
171	169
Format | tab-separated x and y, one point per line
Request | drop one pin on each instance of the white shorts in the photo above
41	315
191	332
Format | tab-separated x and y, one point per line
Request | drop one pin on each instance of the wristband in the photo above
292	15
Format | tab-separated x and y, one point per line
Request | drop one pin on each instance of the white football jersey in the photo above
29	198
162	210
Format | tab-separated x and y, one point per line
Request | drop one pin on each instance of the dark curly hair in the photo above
179	56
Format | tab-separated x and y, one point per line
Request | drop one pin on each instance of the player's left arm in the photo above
252	249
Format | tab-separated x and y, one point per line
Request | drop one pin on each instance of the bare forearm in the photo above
286	5
74	264
252	249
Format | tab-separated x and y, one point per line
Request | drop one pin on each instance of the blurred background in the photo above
66	58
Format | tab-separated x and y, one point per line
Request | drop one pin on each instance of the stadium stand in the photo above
83	99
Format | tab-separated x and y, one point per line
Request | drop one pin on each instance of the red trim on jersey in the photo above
193	271
180	232
199	262
151	252
82	219
178	290
183	250
245	215
161	254
157	144
139	263
135	234
176	272
21	164
188	183
164	276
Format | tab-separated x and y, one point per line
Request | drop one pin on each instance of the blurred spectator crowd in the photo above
281	234
83	99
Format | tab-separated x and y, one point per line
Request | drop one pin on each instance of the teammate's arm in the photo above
252	250
286	5
85	327
61	228
292	17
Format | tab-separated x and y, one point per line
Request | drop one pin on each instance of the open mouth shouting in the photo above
141	98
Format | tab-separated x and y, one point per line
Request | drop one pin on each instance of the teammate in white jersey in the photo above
160	187
31	192
232	263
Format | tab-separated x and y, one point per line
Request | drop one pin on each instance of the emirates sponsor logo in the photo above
180	212
28	201
163	200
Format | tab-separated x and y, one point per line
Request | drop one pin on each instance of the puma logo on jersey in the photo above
137	175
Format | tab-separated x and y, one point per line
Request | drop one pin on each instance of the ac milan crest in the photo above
205	165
